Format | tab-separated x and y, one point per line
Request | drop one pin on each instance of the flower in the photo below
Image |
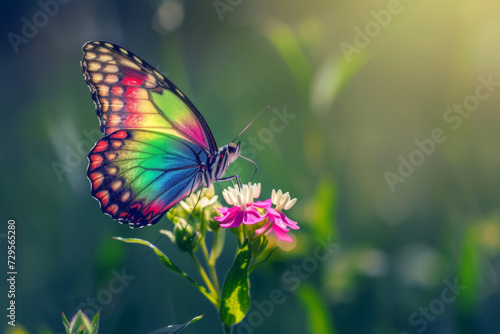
244	209
201	199
277	221
200	205
282	201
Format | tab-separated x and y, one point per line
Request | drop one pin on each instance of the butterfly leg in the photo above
232	177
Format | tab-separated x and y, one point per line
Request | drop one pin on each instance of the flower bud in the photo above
186	237
211	212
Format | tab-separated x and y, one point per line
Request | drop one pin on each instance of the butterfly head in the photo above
233	152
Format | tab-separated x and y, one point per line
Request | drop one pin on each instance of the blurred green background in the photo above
361	81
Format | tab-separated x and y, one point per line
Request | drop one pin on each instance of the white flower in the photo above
208	198
204	202
282	201
234	196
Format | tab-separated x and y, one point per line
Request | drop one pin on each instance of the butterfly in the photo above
157	148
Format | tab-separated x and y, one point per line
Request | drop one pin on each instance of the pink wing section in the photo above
130	94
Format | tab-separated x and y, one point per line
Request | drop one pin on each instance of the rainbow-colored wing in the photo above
130	94
137	175
155	139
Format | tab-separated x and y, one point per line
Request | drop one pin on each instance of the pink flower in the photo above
280	224
246	214
244	211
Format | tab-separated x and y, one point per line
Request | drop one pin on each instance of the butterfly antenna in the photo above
246	127
256	167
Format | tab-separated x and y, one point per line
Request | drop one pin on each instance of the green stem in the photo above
212	253
211	262
205	250
206	279
213	273
211	267
227	329
211	298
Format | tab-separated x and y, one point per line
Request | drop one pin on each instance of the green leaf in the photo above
80	324
163	258
330	78
167	263
172	329
288	45
265	256
169	234
468	273
317	313
235	299
66	323
259	244
324	211
95	323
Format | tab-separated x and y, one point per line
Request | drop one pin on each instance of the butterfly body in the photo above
156	149
217	164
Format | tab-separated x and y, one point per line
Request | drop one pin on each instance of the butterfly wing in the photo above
138	175
130	94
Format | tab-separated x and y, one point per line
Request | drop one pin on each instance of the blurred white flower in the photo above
282	201
208	198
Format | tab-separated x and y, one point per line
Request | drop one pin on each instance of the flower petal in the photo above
272	213
285	199
226	214
256	188
241	200
273	196
264	205
251	216
223	211
290	204
233	220
225	194
279	217
185	206
213	200
279	230
290	223
233	197
282	234
279	196
263	229
204	202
